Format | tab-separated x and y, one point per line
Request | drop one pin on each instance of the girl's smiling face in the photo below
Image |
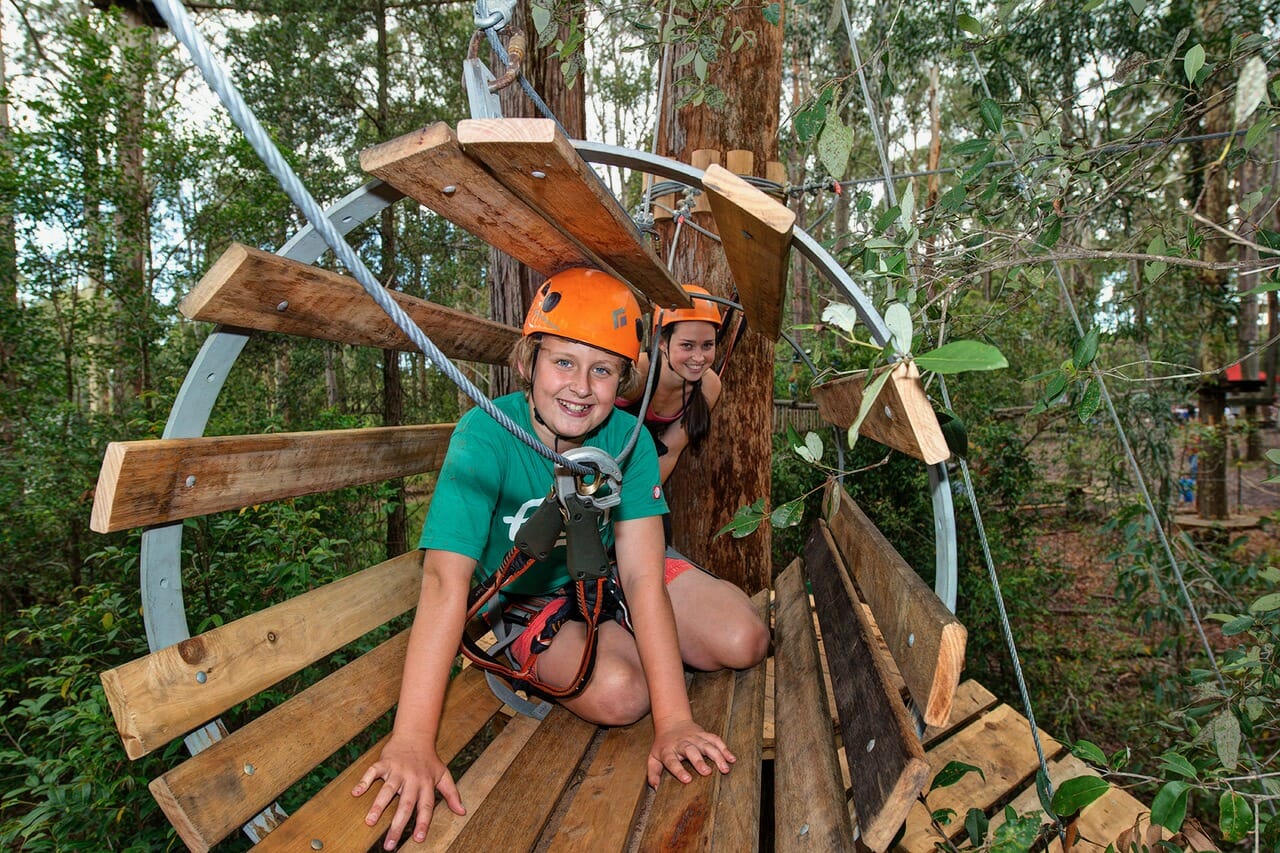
691	349
573	388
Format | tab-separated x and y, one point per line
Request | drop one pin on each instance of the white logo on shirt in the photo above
515	522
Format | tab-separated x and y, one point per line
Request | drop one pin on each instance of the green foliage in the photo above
67	783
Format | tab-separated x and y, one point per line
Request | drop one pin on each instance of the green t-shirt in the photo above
491	482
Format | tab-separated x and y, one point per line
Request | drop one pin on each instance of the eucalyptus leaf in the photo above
1251	89
745	521
1089	401
908	205
541	17
959	356
898	318
1074	794
992	115
1266	603
952	773
843	317
976	825
787	515
969	24
869	395
1235	818
1172	762
1086	349
1169	807
1226	739
834	144
813	443
1089	751
1193	62
970	146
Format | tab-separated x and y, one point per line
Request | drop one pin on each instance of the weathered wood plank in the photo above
755	231
737	826
478	780
605	805
429	165
335	820
926	640
156	481
537	163
999	742
174	690
213	793
683	816
901	418
252	289
886	761
509	818
808	798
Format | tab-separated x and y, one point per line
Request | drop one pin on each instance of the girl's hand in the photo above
686	741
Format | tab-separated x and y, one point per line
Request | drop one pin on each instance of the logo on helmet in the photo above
619	318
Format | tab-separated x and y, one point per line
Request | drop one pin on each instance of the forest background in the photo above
1112	158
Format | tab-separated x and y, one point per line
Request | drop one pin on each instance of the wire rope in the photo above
215	75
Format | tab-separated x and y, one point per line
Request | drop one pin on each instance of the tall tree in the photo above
734	467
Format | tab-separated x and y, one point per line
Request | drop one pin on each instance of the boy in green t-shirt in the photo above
581	340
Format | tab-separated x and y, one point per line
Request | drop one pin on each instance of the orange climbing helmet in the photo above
703	309
588	306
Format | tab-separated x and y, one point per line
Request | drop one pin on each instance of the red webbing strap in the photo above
590	604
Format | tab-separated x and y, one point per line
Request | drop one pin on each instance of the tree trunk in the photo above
9	307
1247	319
734	468
392	387
512	284
1210	198
132	287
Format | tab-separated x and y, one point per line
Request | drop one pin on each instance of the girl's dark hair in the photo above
696	419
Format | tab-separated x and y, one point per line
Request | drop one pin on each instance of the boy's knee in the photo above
746	644
620	694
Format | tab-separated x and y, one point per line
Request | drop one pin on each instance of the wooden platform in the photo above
988	734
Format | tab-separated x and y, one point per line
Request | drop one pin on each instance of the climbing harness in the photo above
576	507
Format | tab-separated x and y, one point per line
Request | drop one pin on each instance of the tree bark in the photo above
392	387
733	469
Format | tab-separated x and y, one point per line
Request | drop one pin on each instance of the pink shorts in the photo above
522	646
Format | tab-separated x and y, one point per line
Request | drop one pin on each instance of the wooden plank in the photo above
999	742
971	700
156	481
808	798
683	816
886	761
604	807
335	820
701	158
737	825
926	640
252	289
537	163
755	231
517	808
213	793
176	689
901	418
478	780
1099	823
429	165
